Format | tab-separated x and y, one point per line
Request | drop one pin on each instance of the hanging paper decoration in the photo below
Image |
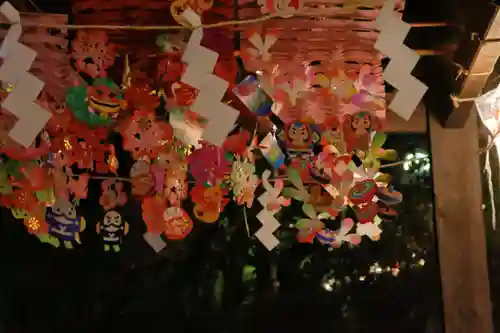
64	223
258	56
209	202
244	182
282	8
335	239
92	53
112	230
271	202
393	32
200	65
176	151
14	71
299	137
488	108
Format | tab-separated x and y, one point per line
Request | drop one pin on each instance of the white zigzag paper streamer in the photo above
393	32
18	59
269	223
211	88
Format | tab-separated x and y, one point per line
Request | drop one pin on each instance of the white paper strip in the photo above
18	59
155	241
199	74
269	223
390	42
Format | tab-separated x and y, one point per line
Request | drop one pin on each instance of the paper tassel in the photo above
199	74
18	59
393	32
269	223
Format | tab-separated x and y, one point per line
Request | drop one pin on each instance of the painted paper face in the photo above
316	78
361	123
64	212
298	134
112	221
105	98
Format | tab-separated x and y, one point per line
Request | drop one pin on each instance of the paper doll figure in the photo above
64	223
357	130
299	138
112	230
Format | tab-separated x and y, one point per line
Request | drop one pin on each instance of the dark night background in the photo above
219	280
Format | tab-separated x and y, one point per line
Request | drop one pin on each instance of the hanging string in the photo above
146	27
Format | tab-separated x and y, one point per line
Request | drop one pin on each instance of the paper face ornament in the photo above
64	222
299	137
112	229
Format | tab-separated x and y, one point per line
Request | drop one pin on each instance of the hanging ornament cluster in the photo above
330	168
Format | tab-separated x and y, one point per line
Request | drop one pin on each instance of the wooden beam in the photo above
461	236
477	53
416	124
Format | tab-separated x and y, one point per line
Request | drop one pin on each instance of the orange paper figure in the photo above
209	202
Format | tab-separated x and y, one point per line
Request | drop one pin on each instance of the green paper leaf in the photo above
388	155
13	168
303	224
383	178
324	215
290	192
46	238
5	187
19	214
46	195
378	141
309	210
293	176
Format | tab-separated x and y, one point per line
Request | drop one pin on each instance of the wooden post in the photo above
461	235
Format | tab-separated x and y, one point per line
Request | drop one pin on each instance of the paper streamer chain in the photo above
211	88
393	32
269	223
18	59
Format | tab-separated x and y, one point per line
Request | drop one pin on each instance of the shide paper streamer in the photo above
271	204
201	61
393	32
18	59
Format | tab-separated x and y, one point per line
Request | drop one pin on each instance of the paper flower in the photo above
143	134
112	194
275	200
208	163
244	182
79	186
92	53
256	57
298	192
336	238
309	227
